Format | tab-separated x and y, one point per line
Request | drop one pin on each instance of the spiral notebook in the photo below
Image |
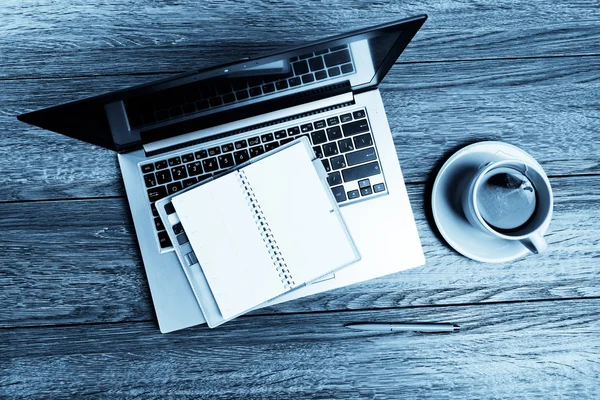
265	229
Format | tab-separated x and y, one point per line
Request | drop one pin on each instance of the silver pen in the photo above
404	327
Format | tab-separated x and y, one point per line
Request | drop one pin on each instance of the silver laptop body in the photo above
172	133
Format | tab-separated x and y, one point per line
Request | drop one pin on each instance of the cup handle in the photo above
535	243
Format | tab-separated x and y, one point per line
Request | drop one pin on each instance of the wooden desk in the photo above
76	315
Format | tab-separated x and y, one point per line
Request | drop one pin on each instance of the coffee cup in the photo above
512	200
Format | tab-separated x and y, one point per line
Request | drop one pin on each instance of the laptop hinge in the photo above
249	124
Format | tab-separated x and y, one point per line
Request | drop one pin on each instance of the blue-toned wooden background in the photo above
75	312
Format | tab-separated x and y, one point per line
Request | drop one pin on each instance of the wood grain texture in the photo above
66	262
65	38
525	350
539	105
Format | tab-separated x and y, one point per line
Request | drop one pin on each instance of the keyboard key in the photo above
333	121
189	182
334	71
150	180
163	239
161	164
356	127
240	144
380	187
330	149
255	91
268	88
202	105
174	187
346	145
154	210
337	58
179	173
268	137
346	118
353	194
182	239
334	178
318	137
186	158
300	67
226	161
169	209
162	115
174	161
158	224
338	193
306	128
364	183
229	98
359	114
210	164
201	154
241	156
256	151
366	191
157	193
294	81
293	131
336	48
215	102
223	87
204	177
238	84
284	141
194	168
316	63
280	134
363	141
163	176
280	85
307	55
361	171
308	78
361	156
253	141
320	75
334	133
322	51
320	124
318	151
242	95
226	148
214	151
177	228
147	168
326	165
189	108
271	146
338	162
347	68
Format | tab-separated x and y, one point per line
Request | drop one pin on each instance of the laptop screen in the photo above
126	119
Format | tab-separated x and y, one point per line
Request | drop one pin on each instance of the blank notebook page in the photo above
229	244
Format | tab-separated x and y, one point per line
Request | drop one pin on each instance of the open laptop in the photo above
170	134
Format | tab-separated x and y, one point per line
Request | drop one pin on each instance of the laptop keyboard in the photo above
343	142
199	97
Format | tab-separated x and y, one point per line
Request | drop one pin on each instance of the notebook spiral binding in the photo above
266	233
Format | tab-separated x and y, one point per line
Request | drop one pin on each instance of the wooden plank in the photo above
503	350
39	38
68	262
548	107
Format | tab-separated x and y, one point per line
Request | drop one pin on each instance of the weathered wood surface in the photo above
543	349
539	105
76	312
98	37
69	262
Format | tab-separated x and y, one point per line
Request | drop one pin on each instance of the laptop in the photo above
173	133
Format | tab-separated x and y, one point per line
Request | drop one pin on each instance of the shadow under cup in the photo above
511	199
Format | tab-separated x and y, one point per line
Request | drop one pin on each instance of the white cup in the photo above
529	234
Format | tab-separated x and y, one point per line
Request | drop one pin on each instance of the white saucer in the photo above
446	205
